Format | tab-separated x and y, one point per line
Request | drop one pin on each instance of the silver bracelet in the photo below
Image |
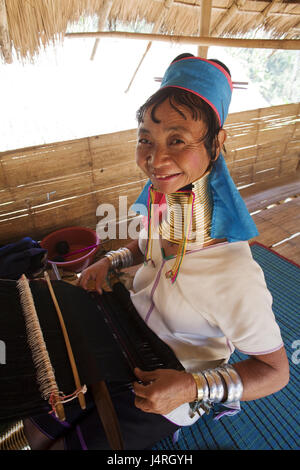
213	385
230	388
219	385
205	388
202	400
238	386
201	384
119	259
214	388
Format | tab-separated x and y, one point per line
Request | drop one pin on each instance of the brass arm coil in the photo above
14	438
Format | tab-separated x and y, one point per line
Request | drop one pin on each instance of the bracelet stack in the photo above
220	385
120	259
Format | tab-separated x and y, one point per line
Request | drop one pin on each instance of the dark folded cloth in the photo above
22	257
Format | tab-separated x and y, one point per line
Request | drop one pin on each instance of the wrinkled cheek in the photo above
196	163
140	160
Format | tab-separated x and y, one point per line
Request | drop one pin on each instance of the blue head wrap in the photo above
211	82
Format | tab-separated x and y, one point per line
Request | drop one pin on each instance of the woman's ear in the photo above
221	138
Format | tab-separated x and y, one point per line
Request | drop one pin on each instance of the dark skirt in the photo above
83	429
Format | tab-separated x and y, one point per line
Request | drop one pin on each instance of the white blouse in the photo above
218	302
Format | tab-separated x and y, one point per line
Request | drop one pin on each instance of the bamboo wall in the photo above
263	144
47	187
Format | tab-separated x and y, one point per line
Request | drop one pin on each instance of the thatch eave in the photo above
34	25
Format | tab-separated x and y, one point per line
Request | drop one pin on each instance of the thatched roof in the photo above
29	25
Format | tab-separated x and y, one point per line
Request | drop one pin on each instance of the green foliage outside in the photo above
276	72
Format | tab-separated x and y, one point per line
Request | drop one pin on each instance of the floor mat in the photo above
273	422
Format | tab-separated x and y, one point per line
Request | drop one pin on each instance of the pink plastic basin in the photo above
77	238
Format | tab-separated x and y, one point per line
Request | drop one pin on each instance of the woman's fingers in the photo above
85	277
162	390
93	277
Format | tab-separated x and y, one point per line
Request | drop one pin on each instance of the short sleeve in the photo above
246	318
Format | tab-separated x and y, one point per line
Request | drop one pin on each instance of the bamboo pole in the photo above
156	28
139	65
81	397
101	23
5	42
285	44
206	8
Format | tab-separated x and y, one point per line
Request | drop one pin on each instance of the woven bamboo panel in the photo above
278	228
269	233
289	165
263	143
288	215
290	250
47	187
43	163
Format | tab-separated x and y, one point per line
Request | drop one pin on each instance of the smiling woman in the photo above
172	145
199	288
184	103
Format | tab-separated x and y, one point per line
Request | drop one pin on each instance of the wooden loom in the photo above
108	340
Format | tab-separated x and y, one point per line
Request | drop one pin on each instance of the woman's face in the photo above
171	152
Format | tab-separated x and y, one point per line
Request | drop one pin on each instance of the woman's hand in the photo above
97	272
163	390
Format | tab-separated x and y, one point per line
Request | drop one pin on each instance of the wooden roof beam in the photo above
5	42
205	19
101	22
285	44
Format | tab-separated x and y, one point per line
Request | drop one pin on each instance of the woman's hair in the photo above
198	108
